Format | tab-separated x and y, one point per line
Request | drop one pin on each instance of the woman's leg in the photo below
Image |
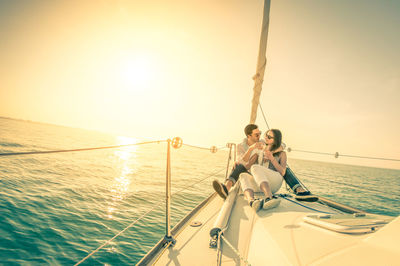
264	186
268	180
249	195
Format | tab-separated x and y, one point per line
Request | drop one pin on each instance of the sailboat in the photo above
229	232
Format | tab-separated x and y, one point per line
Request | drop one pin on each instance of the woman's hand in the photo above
268	155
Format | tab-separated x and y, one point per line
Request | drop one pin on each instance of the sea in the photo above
57	208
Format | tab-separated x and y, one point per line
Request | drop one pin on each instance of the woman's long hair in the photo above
277	139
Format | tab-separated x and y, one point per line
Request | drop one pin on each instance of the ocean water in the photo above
57	208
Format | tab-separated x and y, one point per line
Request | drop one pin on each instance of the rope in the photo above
353	186
304	205
158	258
219	250
198	181
126	228
219	245
84	149
298	179
263	116
235	250
347	155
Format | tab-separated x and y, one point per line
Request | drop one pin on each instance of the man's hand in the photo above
258	145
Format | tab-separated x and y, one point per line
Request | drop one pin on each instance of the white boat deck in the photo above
279	237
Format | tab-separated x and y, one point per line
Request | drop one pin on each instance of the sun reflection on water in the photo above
125	161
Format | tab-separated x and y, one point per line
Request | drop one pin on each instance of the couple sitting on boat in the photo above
261	166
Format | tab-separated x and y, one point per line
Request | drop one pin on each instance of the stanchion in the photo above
168	239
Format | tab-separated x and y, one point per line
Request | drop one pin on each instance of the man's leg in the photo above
229	184
223	189
292	181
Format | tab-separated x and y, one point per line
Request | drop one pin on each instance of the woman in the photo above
267	174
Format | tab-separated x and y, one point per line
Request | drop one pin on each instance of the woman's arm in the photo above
280	167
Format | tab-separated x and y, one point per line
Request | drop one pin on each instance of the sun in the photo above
136	72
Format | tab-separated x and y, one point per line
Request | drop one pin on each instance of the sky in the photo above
159	69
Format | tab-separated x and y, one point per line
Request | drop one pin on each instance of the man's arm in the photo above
244	156
252	160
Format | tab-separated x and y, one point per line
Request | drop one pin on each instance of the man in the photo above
244	151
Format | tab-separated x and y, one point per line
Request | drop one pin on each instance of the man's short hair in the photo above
249	129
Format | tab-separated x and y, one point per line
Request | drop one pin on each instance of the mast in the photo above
261	62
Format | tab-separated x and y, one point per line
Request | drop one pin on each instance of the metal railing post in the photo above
169	240
234	153
229	145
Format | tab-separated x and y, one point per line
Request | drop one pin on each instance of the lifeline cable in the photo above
83	149
347	155
334	154
126	228
203	148
198	181
137	220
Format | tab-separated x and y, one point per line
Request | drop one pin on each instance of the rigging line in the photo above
159	256
262	112
126	228
198	181
234	250
298	179
349	185
219	249
304	205
347	155
83	149
133	223
316	152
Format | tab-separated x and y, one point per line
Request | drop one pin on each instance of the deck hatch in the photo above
348	223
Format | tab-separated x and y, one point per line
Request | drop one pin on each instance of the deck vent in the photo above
196	224
358	214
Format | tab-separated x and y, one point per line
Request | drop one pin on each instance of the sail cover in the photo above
261	63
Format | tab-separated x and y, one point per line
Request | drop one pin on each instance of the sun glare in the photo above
126	157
